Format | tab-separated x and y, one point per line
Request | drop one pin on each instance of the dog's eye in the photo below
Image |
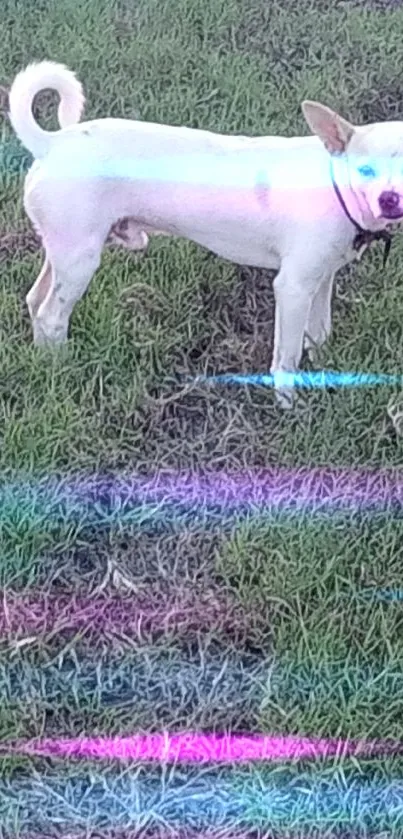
367	171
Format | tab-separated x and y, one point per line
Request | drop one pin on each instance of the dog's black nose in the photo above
389	201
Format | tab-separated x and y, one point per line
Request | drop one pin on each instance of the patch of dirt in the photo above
244	326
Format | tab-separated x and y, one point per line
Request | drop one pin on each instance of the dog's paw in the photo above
284	389
289	399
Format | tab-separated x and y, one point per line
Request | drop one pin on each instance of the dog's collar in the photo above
362	237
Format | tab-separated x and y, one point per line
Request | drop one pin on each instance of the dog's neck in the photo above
347	198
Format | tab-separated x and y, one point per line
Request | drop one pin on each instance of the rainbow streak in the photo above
316	380
200	748
166	497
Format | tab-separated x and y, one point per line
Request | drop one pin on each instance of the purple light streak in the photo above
203	748
263	489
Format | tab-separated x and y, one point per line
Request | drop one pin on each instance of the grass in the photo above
123	614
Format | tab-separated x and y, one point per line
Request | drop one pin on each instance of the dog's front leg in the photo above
320	317
294	292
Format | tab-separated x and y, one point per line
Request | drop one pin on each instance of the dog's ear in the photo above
334	131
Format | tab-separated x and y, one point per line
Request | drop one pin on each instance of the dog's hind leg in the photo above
72	272
39	290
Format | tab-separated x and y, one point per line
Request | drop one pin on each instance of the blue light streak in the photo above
315	380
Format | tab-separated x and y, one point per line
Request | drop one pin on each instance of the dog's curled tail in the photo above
35	78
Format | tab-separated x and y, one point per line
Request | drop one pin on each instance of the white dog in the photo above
303	206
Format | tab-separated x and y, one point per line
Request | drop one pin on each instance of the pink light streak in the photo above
180	609
203	748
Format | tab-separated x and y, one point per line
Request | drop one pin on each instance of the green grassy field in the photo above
275	635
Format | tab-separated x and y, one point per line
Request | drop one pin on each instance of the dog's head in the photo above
374	156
